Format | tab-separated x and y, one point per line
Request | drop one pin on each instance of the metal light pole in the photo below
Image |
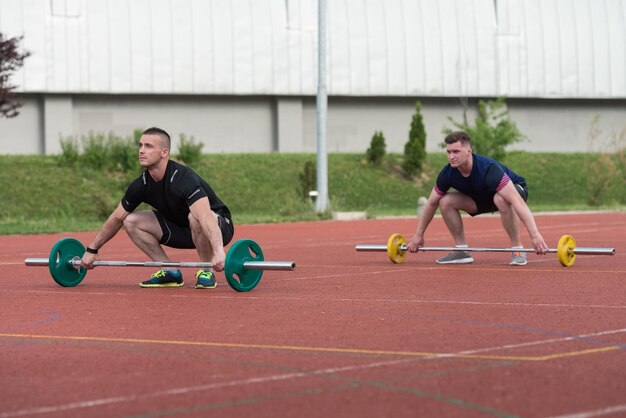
322	203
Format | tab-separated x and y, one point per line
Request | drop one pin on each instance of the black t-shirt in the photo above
179	188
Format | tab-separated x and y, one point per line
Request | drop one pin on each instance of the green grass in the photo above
39	194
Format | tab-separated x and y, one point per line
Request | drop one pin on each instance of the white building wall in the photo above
476	48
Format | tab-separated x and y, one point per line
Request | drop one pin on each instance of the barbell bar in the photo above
243	267
566	250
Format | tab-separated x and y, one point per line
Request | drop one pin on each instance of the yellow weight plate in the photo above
396	255
565	250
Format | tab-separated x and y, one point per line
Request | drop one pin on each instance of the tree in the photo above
376	152
11	60
493	131
415	148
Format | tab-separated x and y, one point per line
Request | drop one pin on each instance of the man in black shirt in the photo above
187	214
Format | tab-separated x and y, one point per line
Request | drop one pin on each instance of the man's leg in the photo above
200	240
206	277
450	206
144	230
510	220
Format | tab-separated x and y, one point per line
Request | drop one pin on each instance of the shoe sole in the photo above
459	261
518	264
162	285
199	286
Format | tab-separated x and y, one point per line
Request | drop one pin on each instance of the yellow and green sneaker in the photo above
163	278
206	279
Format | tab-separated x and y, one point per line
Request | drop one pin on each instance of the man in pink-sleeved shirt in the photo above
480	185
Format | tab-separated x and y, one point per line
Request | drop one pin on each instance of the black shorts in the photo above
487	207
177	236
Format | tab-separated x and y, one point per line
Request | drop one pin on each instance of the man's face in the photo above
458	154
151	150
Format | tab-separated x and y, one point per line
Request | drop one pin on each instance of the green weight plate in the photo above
238	277
62	271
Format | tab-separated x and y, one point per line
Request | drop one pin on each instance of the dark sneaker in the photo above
206	279
163	278
518	259
456	257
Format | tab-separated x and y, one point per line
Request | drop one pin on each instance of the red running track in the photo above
347	334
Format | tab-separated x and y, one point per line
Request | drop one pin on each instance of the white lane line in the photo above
598	412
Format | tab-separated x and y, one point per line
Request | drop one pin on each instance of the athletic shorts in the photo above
487	207
177	236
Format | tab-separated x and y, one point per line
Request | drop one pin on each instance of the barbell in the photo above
243	267
566	250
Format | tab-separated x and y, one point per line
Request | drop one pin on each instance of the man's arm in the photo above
428	212
108	231
522	210
201	211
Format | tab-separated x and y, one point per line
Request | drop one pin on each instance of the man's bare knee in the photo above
446	203
502	205
145	221
131	222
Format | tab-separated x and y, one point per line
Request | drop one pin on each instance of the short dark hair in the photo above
165	137
458	136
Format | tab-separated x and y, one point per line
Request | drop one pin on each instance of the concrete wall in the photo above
24	134
288	124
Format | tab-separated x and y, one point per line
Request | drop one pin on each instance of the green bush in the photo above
493	131
415	148
607	168
122	154
97	151
189	151
70	152
376	152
